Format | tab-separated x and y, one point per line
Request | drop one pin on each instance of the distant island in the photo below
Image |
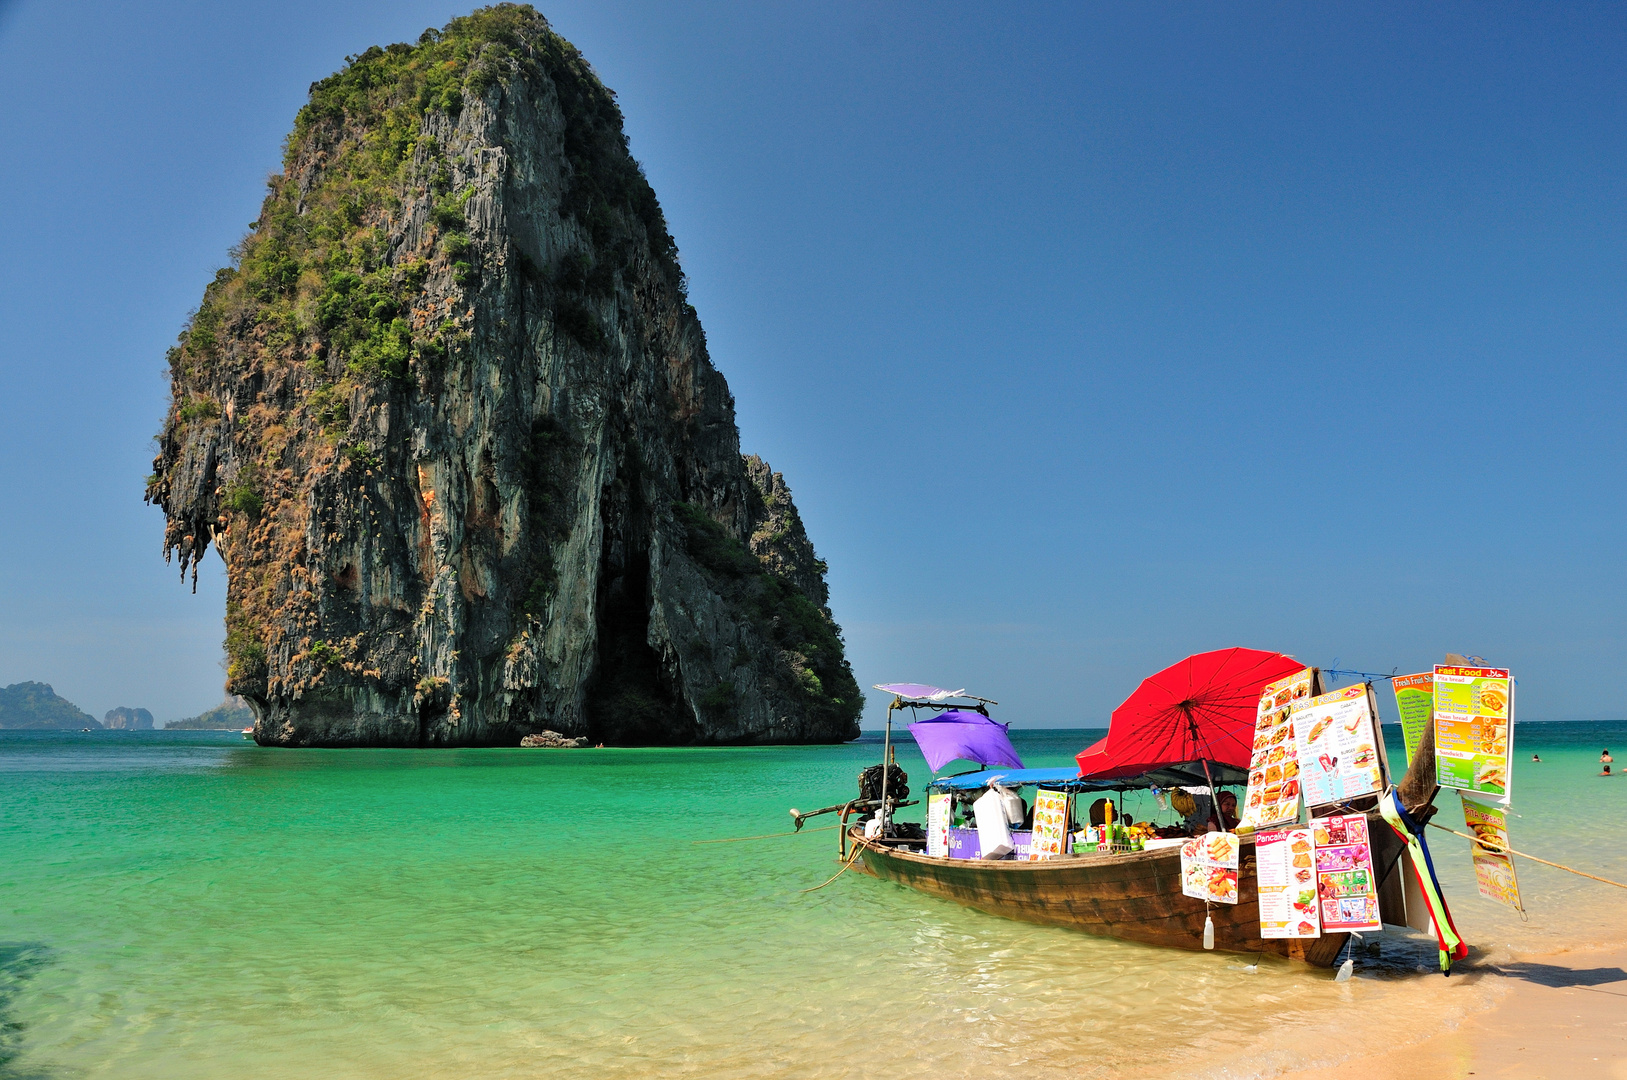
34	705
450	420
124	718
230	715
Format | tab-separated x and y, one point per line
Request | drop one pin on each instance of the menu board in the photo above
1273	782
1345	881
1209	867
1474	708
1415	700
1338	747
937	824
1050	825
1287	877
1493	868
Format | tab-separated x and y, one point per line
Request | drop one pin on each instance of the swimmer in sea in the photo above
1535	758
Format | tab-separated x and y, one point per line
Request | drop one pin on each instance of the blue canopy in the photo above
1067	775
1067	779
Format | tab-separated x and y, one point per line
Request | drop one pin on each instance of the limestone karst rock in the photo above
450	421
125	718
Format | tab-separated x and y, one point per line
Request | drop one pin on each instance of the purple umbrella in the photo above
964	734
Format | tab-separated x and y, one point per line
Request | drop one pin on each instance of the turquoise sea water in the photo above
185	904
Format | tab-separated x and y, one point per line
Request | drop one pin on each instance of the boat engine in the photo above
898	784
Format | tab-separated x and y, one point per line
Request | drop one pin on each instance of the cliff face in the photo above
451	423
124	718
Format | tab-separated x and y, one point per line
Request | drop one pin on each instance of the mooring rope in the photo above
858	849
768	836
1494	846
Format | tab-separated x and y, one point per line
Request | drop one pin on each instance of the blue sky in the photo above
1087	336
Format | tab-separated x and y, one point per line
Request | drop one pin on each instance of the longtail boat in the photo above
1133	896
1130	895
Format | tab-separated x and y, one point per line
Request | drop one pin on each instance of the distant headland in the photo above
230	715
36	706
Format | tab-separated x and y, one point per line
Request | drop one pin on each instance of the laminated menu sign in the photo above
1345	882
1338	748
1050	825
1209	867
1286	864
1415	700
1493	869
1474	708
1273	782
937	824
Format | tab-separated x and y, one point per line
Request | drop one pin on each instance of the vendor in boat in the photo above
1203	814
1196	809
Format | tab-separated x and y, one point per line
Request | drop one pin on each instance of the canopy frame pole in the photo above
886	761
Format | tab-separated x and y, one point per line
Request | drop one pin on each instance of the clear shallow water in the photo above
187	905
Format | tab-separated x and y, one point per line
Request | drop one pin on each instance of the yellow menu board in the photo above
1273	781
1050	825
1493	868
1474	712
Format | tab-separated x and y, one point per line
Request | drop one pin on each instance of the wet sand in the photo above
1560	1016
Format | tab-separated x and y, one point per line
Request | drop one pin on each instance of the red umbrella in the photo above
1198	712
1093	758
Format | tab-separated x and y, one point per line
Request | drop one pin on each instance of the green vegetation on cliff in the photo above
36	705
806	636
316	275
230	715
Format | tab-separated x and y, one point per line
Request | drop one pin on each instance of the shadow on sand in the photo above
1563	977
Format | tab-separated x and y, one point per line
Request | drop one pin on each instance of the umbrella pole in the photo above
1214	796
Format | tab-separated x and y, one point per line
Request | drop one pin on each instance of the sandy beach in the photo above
1559	1015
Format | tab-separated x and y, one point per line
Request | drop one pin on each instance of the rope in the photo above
1496	848
768	836
1336	673
858	849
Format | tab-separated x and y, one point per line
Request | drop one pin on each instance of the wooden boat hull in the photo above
1135	896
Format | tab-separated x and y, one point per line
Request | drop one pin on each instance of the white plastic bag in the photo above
993	831
872	828
1015	810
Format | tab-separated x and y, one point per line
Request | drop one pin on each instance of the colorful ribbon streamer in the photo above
1452	946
